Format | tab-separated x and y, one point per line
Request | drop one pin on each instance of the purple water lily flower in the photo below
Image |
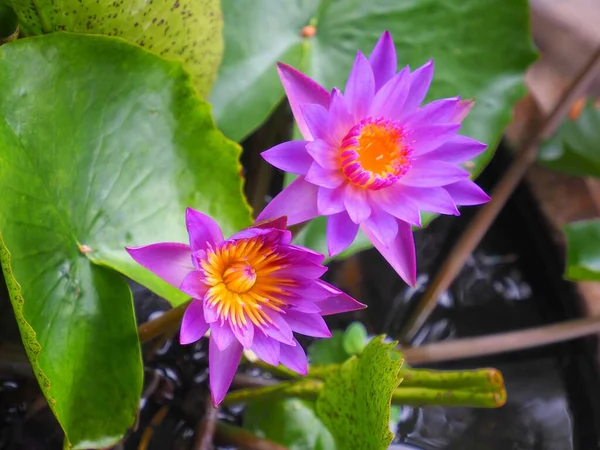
373	157
253	291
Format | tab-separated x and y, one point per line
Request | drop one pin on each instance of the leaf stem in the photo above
306	388
480	380
416	396
500	194
165	322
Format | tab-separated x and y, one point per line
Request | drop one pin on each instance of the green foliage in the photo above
187	30
355	402
105	150
291	422
574	149
341	346
583	250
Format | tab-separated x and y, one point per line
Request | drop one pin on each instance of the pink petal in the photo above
383	60
221	334
383	225
429	137
317	121
298	202
305	307
330	201
290	156
300	90
338	304
193	325
457	149
389	100
279	329
397	200
307	324
436	112
210	312
294	358
400	254
420	80
202	230
324	154
304	269
434	200
222	367
324	177
265	348
193	284
341	231
428	173
360	87
170	261
280	223
318	290
340	119
462	110
356	203
303	253
466	192
244	333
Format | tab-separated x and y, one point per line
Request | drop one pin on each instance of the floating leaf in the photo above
355	401
103	145
575	148
583	250
291	422
355	338
187	30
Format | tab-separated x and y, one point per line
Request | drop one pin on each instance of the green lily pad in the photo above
583	250
186	30
103	145
574	149
355	401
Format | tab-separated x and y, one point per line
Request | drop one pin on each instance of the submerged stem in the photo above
230	435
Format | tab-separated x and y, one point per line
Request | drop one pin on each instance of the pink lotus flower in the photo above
373	157
252	291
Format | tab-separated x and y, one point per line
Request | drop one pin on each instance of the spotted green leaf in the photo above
187	30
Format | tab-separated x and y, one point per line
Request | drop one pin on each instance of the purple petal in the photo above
307	324
221	334
330	201
303	253
222	366
317	121
294	358
269	234
305	307
462	110
193	284
383	225
210	312
170	261
265	348
438	111
318	290
466	192
298	202
424	139
356	203
428	173
244	333
341	231
202	230
397	200
324	177
279	223
420	80
401	254
304	269
360	87
279	329
338	304
389	100
340	119
457	149
193	325
383	60
324	154
434	200
300	90
290	156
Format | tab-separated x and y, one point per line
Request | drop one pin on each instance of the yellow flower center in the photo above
373	154
243	281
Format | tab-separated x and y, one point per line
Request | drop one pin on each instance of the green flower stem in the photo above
230	435
279	371
308	389
414	396
480	380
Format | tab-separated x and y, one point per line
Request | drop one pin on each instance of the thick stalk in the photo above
414	396
242	439
307	388
480	380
